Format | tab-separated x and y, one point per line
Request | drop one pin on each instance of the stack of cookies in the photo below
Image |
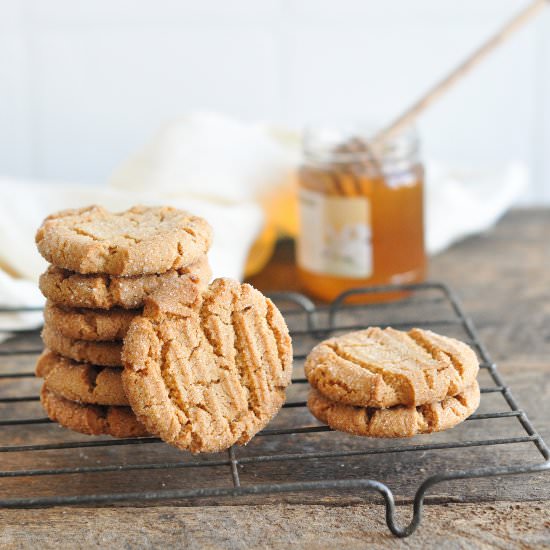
387	383
137	341
103	267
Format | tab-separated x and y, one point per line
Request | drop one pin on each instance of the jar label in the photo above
335	235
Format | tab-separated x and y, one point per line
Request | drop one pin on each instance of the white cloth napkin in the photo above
462	202
212	157
219	168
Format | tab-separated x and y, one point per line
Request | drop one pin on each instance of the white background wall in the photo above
85	83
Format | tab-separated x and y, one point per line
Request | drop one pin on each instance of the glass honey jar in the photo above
361	214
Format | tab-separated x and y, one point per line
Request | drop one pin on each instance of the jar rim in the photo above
321	144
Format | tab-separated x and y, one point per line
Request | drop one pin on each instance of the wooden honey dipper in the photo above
434	93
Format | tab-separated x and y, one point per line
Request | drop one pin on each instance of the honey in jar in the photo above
361	215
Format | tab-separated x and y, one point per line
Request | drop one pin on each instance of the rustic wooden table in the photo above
503	278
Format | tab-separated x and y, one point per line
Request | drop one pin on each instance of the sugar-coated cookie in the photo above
104	354
205	371
100	291
398	421
91	419
89	324
81	382
386	367
134	242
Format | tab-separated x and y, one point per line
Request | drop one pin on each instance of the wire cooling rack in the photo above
43	464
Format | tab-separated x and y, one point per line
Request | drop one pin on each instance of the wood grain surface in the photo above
454	526
503	279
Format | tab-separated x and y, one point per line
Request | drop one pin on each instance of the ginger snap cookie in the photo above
398	421
101	291
81	382
104	354
386	367
134	242
207	370
91	419
89	324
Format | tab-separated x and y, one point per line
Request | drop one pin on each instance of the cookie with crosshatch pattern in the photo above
137	241
81	382
104	354
207	370
89	324
386	367
91	419
101	291
398	421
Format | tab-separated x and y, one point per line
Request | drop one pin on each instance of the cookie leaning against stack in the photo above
388	383
206	370
104	266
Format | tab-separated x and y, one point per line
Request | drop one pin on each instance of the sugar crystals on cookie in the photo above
388	383
206	371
